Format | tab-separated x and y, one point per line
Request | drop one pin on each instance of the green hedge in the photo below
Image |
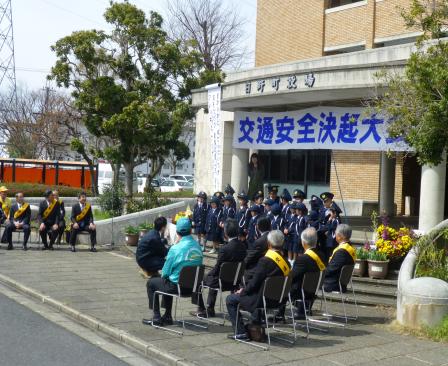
37	190
181	194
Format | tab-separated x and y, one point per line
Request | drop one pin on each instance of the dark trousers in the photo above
61	230
211	300
160	284
328	251
151	264
74	234
10	228
232	302
52	234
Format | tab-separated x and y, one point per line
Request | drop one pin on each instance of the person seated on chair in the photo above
151	248
61	223
344	254
19	219
48	218
5	203
82	220
273	263
258	248
233	251
187	252
311	261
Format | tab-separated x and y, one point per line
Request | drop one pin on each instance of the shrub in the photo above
37	190
362	253
375	255
432	253
145	226
112	199
131	230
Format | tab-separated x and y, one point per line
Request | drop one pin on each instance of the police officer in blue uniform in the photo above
242	214
212	227
200	210
277	222
228	212
298	195
258	199
252	232
285	198
289	228
273	193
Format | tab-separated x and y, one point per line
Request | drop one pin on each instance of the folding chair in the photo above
345	280
276	292
190	282
230	273
312	282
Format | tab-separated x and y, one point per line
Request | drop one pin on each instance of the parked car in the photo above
181	177
174	186
105	177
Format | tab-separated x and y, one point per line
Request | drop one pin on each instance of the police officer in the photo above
298	195
243	215
228	212
252	232
327	199
258	199
285	198
212	227
273	193
200	217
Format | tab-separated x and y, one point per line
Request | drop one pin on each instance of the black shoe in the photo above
211	312
51	247
10	247
167	320
93	250
72	248
157	321
45	247
25	248
299	315
239	337
147	321
200	313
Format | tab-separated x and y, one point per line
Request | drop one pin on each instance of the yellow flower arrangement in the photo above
394	243
187	213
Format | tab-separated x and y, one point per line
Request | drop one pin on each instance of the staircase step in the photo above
378	291
367	300
390	282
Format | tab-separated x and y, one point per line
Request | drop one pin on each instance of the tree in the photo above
213	29
416	101
129	85
182	152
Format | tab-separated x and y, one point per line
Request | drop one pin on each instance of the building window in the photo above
336	3
296	166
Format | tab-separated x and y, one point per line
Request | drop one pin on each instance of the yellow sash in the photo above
279	261
316	258
346	246
6	205
83	213
49	210
21	210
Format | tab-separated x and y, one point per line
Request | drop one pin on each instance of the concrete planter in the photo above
360	268
378	269
131	239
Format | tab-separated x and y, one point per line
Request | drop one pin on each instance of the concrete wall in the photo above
113	229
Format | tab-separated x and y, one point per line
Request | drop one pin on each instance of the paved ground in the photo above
107	286
27	338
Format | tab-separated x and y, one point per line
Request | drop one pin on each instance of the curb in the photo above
117	334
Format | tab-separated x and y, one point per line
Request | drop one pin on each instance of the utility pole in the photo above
8	86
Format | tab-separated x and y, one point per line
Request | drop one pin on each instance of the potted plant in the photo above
144	228
361	262
378	264
131	235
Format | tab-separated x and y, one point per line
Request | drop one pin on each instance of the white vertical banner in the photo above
214	117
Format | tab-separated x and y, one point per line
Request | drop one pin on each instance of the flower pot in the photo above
143	232
378	269
395	263
131	239
360	268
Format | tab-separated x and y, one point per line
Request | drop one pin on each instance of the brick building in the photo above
340	45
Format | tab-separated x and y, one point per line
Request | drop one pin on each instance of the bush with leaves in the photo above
113	198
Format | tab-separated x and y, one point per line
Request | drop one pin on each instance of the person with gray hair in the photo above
273	263
344	254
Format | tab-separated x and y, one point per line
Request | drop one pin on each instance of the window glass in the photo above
296	170
318	166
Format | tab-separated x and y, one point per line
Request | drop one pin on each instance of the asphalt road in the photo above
28	339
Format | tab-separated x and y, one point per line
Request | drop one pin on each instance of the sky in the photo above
40	23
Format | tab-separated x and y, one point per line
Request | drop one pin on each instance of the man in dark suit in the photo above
343	255
233	251
311	261
48	218
61	223
82	220
258	248
151	249
19	219
273	263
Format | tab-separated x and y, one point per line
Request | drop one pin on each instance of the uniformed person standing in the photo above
48	218
243	215
298	195
212	227
200	210
285	199
277	222
229	191
258	199
252	232
273	193
228	212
